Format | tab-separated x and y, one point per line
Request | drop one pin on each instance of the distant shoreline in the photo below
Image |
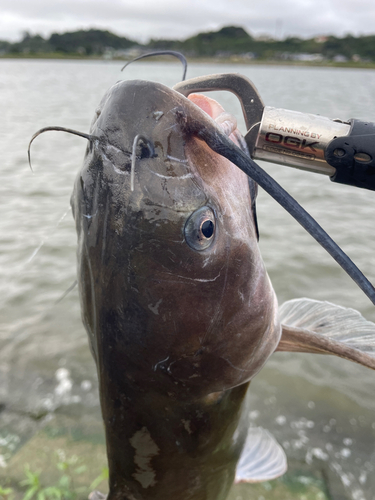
211	60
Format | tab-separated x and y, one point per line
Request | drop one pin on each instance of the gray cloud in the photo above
145	19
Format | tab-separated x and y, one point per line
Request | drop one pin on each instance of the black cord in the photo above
222	145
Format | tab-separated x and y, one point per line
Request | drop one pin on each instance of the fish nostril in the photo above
145	151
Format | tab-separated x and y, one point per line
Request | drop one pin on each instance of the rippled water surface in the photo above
321	409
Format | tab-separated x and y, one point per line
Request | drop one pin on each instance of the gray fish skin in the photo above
176	333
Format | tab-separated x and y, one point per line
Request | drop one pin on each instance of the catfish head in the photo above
174	293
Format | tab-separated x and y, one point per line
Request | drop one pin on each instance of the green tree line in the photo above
226	42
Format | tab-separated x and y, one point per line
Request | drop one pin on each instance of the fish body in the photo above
178	307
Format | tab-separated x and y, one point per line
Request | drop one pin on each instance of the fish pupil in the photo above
207	228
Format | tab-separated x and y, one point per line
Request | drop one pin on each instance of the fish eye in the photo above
200	229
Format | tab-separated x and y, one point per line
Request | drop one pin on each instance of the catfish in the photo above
176	300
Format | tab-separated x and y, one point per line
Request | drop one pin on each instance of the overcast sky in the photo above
145	19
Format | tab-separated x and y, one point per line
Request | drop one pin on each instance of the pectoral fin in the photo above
262	458
324	328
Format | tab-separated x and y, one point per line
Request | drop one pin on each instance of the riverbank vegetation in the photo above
231	43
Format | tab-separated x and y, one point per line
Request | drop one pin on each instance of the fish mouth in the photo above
223	119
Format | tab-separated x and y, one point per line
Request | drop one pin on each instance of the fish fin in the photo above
262	458
324	328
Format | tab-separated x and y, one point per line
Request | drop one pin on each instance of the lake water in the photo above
321	409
